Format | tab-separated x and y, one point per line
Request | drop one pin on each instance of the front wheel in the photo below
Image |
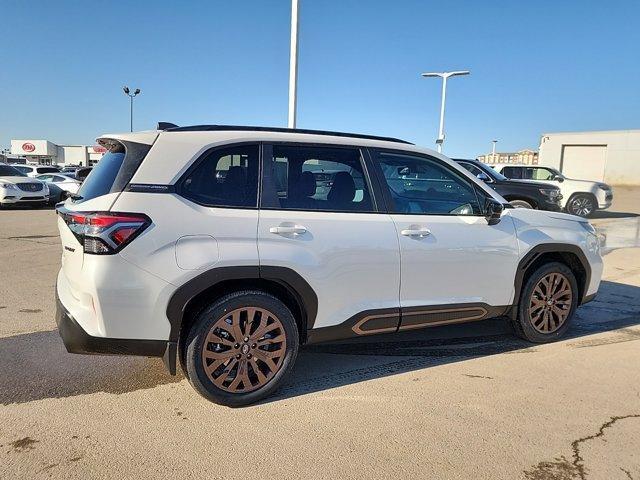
548	302
241	348
582	205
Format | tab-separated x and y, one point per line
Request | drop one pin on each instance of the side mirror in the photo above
484	177
492	211
559	178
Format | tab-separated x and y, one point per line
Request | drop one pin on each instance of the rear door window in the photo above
325	179
512	172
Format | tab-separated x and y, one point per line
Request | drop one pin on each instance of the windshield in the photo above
491	172
9	171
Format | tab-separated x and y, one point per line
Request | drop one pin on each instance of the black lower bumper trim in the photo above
76	340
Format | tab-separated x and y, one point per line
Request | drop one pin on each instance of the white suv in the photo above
226	248
580	197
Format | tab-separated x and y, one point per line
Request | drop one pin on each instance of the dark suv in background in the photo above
541	196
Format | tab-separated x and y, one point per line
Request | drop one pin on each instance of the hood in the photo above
544	218
587	184
17	179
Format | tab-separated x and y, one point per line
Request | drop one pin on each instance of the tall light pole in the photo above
493	147
293	65
127	92
445	76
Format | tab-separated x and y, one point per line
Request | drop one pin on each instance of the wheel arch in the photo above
570	255
284	283
587	194
524	198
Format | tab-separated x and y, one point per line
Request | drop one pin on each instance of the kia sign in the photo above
33	147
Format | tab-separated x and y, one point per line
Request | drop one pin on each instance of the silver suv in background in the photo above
580	197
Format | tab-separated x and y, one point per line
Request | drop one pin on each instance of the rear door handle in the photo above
416	232
288	229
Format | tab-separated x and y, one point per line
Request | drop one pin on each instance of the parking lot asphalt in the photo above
465	401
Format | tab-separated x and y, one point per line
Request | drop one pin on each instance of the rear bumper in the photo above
76	340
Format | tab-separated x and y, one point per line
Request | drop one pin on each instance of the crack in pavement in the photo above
562	469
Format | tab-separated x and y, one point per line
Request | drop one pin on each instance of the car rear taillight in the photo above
104	233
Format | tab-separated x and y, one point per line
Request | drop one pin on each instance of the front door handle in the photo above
415	231
288	229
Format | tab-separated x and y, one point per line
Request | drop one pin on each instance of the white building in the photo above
611	156
44	152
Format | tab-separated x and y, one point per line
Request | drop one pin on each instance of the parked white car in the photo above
579	197
66	183
34	170
226	248
18	189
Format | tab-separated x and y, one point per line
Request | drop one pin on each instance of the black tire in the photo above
582	204
520	204
523	324
206	321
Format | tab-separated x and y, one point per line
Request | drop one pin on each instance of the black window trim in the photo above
386	190
368	178
179	184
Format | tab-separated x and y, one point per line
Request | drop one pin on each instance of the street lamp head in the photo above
125	89
137	91
446	74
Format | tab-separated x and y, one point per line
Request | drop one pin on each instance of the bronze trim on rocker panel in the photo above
438	317
378	324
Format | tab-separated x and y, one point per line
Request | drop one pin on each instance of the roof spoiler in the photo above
166	125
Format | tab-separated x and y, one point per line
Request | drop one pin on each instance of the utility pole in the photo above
293	65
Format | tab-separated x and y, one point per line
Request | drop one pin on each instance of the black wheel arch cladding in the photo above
288	279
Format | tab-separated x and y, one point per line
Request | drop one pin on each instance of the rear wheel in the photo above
520	204
241	348
581	204
548	302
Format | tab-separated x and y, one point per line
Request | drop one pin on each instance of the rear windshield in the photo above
114	170
47	170
9	171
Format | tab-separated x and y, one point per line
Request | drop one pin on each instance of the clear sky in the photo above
536	66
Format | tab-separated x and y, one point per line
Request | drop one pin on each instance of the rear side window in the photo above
114	170
226	177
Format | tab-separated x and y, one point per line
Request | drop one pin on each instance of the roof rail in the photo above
204	128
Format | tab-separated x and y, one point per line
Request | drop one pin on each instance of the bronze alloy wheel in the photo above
244	349
550	303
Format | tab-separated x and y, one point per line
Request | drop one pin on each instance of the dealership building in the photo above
44	152
611	156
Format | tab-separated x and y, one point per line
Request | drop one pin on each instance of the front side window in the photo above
226	177
422	185
542	174
316	178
